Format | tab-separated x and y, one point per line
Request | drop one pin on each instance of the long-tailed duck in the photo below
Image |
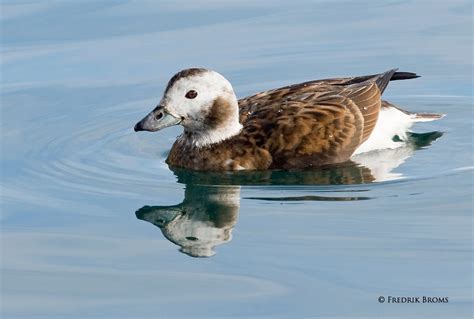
304	125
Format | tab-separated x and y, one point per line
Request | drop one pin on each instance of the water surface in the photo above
95	224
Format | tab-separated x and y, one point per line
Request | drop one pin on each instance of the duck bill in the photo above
158	119
159	215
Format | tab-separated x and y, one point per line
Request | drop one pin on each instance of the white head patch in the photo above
196	109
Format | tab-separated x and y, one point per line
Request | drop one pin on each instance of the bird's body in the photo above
305	125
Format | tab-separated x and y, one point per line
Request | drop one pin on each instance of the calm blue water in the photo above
77	240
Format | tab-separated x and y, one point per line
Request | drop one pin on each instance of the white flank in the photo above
391	122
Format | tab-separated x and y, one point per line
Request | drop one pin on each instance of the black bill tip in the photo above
138	127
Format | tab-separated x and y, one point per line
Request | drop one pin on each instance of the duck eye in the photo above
158	116
191	94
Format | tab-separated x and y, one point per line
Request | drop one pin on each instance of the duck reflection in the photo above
210	208
202	221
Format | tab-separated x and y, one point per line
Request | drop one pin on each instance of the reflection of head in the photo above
204	220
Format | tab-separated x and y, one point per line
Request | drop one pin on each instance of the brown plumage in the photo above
298	126
304	125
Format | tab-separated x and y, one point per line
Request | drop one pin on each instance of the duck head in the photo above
200	100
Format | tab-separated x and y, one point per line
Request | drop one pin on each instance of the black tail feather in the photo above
381	79
392	75
403	76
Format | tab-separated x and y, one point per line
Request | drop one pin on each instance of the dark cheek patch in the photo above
219	113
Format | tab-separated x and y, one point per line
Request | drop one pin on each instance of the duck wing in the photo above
313	123
251	103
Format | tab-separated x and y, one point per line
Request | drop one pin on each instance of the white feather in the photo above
391	122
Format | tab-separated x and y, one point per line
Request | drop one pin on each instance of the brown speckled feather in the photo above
367	99
309	124
301	133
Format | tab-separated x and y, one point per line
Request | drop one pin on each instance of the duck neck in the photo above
221	123
213	136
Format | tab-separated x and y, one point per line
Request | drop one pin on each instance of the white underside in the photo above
391	122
